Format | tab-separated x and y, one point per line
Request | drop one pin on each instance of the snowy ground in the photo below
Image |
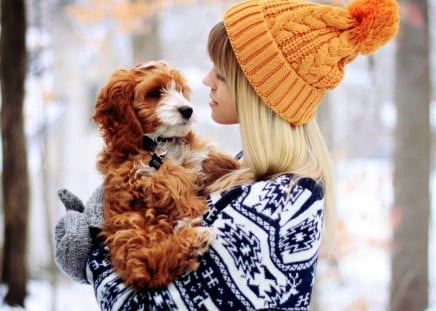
359	280
68	296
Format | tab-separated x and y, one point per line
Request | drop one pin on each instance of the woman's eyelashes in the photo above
220	77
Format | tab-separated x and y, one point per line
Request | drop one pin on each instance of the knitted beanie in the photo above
292	51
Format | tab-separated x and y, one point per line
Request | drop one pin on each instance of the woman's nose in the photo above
207	80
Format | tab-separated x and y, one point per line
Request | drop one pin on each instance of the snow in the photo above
67	296
358	280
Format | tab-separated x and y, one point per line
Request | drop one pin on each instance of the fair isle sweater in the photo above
264	255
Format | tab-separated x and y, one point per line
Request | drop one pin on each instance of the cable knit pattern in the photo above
263	257
292	51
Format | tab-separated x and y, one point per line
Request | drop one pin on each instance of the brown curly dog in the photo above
155	170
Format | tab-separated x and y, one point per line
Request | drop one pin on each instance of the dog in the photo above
155	171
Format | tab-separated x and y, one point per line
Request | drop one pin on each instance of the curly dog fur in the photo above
152	216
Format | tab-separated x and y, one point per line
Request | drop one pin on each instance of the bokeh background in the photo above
379	126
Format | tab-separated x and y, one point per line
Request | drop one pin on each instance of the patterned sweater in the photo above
264	254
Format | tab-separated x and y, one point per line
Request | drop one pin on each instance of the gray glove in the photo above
73	240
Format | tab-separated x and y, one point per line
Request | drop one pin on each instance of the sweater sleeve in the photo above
263	257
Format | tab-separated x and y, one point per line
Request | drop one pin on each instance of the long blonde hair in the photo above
270	144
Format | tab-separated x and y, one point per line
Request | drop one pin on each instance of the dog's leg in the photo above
160	238
197	244
152	257
217	165
178	254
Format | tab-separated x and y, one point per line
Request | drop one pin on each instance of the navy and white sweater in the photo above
264	255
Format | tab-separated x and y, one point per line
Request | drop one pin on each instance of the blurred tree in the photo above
13	64
131	16
409	283
146	43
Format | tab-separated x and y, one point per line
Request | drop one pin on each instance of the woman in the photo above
272	63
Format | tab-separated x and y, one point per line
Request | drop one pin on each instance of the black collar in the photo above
149	144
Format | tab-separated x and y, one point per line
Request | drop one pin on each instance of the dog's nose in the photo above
186	111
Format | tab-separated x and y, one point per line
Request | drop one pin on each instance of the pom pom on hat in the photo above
292	51
377	22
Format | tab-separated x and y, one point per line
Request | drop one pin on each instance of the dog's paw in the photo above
194	241
205	237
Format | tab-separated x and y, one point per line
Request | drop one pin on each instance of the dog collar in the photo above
149	144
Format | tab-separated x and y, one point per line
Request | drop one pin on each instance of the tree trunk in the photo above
13	64
409	283
146	46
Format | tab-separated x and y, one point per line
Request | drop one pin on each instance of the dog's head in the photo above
151	99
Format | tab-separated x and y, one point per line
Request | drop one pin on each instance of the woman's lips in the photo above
212	103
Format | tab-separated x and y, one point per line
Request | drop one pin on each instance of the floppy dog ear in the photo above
114	113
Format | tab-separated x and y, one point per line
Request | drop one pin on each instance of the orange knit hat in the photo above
292	51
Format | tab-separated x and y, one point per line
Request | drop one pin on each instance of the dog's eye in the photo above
155	93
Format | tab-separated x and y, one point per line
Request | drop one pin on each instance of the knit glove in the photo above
73	239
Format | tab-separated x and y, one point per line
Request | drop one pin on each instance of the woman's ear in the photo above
114	114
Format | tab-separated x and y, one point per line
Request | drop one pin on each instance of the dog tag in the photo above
156	161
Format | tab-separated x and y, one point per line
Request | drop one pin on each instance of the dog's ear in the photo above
186	90
114	114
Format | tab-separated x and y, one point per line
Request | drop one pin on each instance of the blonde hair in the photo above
270	144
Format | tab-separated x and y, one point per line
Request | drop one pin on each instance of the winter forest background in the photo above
379	125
